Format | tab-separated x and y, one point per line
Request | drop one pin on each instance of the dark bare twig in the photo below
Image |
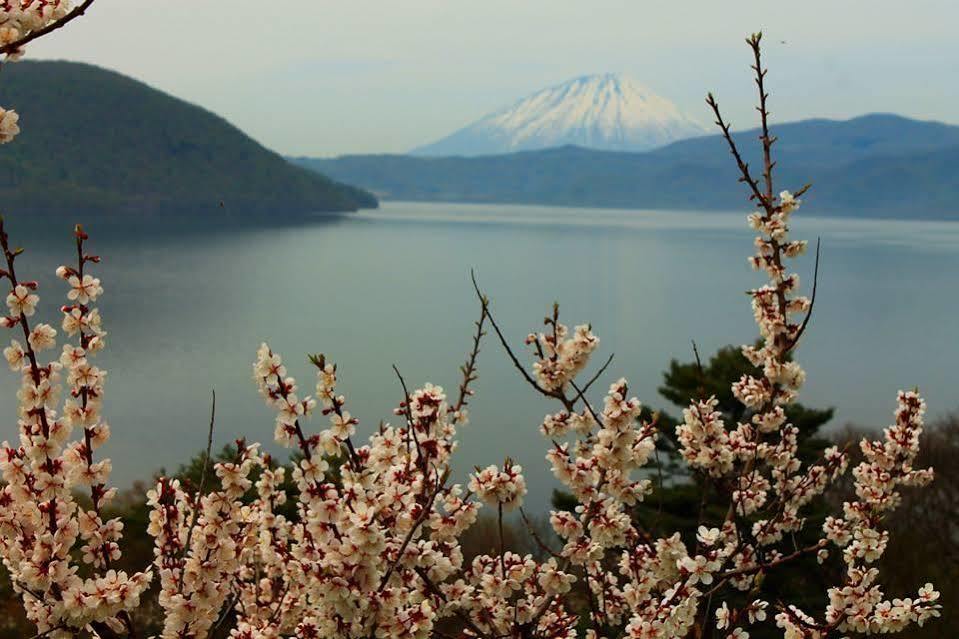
209	443
745	175
699	362
469	368
409	419
767	140
803	190
700	371
203	474
589	407
223	616
509	351
592	380
812	302
539	540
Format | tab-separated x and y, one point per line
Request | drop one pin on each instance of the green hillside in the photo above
96	141
875	165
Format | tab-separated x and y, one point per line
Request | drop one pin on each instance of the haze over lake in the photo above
186	309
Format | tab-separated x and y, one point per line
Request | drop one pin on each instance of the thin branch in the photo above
803	190
13	47
745	175
539	540
499	522
509	351
659	493
409	420
812	302
589	407
427	510
699	370
456	611
592	380
767	140
699	362
203	474
47	632
226	613
469	368
209	442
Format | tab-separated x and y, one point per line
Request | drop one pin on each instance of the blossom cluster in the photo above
369	549
561	356
44	528
21	18
500	488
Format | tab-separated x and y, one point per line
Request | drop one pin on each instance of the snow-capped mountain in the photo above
609	111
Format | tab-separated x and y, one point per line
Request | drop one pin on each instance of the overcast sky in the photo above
356	76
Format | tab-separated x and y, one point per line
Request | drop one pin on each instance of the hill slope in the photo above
877	165
94	140
608	111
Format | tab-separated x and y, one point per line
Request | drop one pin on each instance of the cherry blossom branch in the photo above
723	578
35	373
14	47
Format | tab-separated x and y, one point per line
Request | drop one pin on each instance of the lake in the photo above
187	307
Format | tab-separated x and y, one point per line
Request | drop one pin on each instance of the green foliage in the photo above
128	148
684	381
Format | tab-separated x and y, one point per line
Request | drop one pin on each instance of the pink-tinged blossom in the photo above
500	488
84	290
21	301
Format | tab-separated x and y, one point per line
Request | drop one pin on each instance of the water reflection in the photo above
187	302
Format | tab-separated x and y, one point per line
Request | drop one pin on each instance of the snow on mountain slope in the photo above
608	111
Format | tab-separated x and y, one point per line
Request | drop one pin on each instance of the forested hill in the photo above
874	165
93	140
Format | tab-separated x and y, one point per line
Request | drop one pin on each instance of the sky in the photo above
324	78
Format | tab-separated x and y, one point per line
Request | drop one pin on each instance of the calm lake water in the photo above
186	309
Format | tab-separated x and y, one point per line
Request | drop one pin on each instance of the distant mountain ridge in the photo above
875	165
608	111
94	140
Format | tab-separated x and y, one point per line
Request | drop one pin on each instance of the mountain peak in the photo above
609	111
